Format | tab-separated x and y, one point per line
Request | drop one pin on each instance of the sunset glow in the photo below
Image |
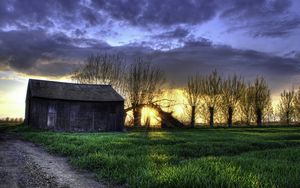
150	93
154	119
13	94
35	43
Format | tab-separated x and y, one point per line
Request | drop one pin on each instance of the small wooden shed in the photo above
73	107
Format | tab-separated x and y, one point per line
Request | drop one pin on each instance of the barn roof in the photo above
72	91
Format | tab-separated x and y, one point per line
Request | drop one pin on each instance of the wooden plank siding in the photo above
76	116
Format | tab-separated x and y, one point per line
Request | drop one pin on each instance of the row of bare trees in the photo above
140	82
229	95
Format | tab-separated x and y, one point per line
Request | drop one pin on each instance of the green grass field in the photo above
237	157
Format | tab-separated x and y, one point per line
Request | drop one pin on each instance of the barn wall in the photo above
76	116
38	113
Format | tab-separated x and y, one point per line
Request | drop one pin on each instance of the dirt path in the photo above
23	164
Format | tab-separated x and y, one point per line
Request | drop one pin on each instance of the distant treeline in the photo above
11	120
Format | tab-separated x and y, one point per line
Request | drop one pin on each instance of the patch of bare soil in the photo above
23	164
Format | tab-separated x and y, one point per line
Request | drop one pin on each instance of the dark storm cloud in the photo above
36	13
262	18
35	52
91	15
268	18
38	53
203	57
79	32
177	33
197	42
164	13
136	12
245	9
280	27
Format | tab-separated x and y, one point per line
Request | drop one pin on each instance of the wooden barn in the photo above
73	107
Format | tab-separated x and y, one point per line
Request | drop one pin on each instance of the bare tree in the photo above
261	98
296	104
246	104
212	88
142	83
193	93
269	113
286	105
232	91
102	69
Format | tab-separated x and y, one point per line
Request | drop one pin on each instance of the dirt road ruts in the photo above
23	164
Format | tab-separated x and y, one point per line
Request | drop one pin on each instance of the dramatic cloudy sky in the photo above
48	39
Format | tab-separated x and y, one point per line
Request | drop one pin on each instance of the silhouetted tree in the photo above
212	88
142	82
296	103
246	104
261	98
232	90
102	69
286	106
269	114
193	93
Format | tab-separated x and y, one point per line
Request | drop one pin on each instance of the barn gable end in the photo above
73	107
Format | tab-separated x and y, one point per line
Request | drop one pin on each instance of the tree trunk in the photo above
288	118
230	113
248	122
211	117
248	118
193	116
258	117
148	122
137	114
164	124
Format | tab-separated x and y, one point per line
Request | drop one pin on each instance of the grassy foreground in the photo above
239	157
